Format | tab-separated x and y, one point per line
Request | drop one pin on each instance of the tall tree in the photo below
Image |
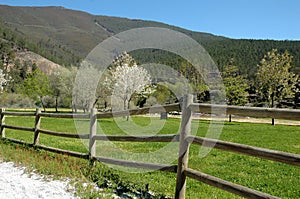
85	86
36	86
236	85
127	79
274	80
67	91
61	84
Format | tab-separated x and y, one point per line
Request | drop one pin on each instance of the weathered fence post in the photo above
163	115
2	110
185	130
273	121
93	131
37	125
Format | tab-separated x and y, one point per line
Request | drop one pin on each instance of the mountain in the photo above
67	36
78	31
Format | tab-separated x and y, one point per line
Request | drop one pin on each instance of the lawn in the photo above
271	177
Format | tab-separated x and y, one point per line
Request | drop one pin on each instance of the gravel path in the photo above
15	184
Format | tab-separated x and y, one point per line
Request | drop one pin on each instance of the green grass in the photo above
271	177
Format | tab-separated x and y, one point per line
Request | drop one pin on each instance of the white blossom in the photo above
85	86
127	79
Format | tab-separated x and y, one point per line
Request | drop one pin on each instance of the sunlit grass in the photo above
263	175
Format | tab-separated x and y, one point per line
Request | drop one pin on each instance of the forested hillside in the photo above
66	36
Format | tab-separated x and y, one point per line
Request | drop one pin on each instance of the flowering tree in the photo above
85	86
127	80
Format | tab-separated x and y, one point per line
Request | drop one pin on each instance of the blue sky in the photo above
255	19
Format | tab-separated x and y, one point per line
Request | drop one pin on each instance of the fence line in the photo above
288	114
184	139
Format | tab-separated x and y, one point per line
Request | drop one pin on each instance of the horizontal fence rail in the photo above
139	165
227	186
157	138
25	114
184	139
279	156
141	111
288	114
20	128
70	115
62	134
64	152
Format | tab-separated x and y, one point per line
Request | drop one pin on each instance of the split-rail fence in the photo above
185	139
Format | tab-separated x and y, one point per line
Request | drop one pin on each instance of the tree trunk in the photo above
128	106
124	104
74	108
95	102
56	104
43	106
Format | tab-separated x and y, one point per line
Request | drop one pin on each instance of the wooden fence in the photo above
184	138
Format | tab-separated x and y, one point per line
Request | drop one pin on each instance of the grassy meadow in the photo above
271	177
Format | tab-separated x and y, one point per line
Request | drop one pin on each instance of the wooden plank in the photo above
25	114
64	152
183	155
64	134
288	114
139	165
69	115
18	141
21	128
51	149
279	156
141	111
227	186
139	138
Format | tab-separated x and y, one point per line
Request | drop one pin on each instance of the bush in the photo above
15	101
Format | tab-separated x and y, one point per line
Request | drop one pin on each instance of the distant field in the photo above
274	178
